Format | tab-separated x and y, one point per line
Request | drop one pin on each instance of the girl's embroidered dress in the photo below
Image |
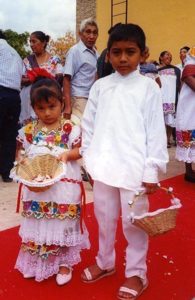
51	228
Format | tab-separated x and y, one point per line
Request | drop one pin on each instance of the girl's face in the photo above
125	56
48	112
166	59
36	45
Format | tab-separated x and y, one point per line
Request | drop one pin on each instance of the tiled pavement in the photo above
8	193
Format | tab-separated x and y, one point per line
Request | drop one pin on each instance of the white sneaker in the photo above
64	278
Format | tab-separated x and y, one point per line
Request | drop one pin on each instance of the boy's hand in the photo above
150	187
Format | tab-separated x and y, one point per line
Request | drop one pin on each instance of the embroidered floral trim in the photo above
169	71
168	107
50	210
42	250
185	138
59	137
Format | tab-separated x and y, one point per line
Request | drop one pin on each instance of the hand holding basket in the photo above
39	173
159	221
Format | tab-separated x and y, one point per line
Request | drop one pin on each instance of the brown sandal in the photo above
87	276
132	293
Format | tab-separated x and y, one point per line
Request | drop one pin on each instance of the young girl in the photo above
51	228
123	146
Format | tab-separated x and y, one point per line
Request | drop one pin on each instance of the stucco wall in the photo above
84	9
168	25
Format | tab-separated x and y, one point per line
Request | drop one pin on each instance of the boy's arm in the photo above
156	139
88	119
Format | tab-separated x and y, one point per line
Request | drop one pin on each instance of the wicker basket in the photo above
47	166
161	220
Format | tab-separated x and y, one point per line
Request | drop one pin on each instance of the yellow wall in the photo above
168	24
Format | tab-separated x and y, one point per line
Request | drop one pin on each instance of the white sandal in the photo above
132	293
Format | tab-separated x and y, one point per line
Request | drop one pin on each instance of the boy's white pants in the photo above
108	203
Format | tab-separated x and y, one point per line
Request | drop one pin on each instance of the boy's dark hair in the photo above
128	32
113	28
43	89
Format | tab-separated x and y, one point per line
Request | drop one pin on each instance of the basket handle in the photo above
168	190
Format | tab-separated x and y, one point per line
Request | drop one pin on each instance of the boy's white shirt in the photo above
123	132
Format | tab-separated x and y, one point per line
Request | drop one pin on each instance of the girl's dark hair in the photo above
127	32
43	89
185	48
41	36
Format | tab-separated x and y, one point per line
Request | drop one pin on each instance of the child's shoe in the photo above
62	279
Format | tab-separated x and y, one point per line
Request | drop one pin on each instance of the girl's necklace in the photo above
43	128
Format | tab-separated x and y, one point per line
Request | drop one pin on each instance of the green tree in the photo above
62	44
18	41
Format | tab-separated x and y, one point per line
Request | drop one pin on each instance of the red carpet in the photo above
171	261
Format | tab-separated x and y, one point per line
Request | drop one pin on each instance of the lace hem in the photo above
42	269
185	154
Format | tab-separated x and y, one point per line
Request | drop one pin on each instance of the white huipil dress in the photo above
168	90
51	228
185	121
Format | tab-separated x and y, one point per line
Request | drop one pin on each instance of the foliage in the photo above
61	45
18	41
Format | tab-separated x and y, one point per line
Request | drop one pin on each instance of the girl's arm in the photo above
69	155
19	149
190	81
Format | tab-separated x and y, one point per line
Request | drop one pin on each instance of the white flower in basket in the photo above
39	173
159	221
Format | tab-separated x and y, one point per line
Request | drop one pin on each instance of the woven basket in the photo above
161	220
42	165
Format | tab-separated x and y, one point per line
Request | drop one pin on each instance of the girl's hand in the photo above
63	157
150	187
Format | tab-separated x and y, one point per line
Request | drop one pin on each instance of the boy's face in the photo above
125	56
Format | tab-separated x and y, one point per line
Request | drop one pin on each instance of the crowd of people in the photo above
117	114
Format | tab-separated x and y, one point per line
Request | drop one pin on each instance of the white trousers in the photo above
109	202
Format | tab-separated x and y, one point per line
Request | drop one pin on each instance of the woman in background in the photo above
170	80
40	58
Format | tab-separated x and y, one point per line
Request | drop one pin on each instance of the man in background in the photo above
80	70
10	81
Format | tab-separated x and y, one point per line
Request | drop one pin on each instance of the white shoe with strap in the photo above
62	279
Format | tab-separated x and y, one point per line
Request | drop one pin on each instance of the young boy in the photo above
123	146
